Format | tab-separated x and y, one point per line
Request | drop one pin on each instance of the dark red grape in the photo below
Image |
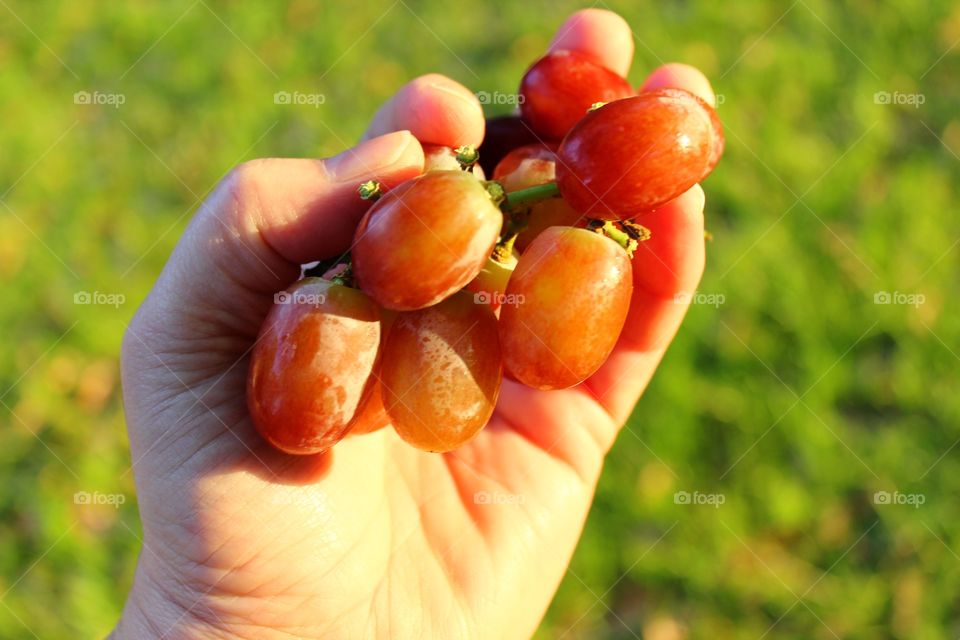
504	133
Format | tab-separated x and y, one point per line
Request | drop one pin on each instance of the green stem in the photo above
532	194
619	236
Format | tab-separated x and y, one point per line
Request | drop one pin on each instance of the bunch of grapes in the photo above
454	281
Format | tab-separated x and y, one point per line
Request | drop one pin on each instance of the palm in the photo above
377	536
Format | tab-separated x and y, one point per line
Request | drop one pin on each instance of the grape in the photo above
503	134
311	365
372	416
560	87
552	212
633	155
441	373
439	158
572	288
529	166
425	239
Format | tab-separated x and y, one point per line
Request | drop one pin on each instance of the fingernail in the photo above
370	157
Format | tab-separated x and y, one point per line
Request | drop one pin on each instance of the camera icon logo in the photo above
882	497
82	297
882	297
482	297
282	97
882	97
82	97
681	497
282	297
82	497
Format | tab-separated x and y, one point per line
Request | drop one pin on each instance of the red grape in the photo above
310	368
425	239
560	87
529	166
573	289
503	134
372	415
633	155
441	373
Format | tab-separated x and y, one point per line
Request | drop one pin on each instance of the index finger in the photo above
603	36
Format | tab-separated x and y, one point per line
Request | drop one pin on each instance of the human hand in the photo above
374	538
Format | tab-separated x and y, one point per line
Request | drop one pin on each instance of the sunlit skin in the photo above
425	239
529	166
441	373
373	539
631	156
573	290
559	89
310	369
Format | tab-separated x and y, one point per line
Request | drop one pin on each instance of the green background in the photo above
796	399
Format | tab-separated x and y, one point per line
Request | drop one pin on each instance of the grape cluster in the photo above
454	281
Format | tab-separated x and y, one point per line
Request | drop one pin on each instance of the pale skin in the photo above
374	539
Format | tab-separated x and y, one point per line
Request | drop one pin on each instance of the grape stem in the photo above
516	211
623	238
504	249
532	194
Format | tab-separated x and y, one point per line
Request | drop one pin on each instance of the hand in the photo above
375	538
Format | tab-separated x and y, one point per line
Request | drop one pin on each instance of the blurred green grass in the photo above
797	398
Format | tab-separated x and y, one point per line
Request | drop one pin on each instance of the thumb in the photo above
262	221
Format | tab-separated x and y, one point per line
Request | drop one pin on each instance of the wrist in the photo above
153	611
